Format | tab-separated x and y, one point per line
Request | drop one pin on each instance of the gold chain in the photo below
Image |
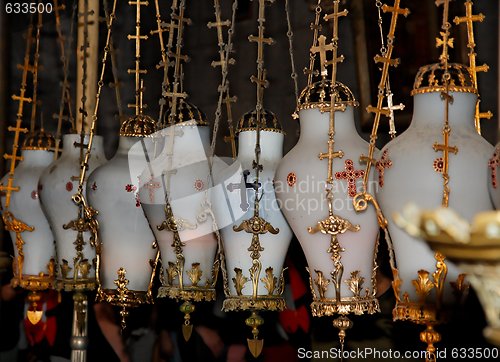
137	71
224	96
289	35
85	164
445	42
379	110
21	99
65	101
116	84
224	61
469	20
34	70
316	28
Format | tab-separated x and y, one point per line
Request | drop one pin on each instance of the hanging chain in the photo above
469	20
225	51
256	225
445	42
116	84
78	198
316	28
137	71
21	99
65	57
34	70
161	28
176	92
289	35
360	200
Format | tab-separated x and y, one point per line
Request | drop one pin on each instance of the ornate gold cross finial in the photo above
175	92
445	41
22	99
223	62
335	39
137	71
445	147
322	48
469	20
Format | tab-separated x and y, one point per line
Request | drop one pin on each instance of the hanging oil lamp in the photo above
34	263
126	249
343	276
255	243
474	247
174	186
430	165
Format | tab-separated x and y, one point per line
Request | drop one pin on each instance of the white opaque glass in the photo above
126	237
413	179
25	205
58	183
305	202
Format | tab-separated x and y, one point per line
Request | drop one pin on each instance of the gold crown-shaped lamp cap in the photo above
431	78
39	140
187	113
268	122
138	125
320	94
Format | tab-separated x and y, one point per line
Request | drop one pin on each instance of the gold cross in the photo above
322	48
446	149
445	41
381	59
335	16
391	107
331	155
231	138
469	20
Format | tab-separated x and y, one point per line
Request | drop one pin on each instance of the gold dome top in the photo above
430	78
187	112
268	122
138	126
319	95
39	140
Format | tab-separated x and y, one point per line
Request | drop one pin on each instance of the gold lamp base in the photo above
76	285
245	303
194	294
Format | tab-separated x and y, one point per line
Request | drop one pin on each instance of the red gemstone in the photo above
69	186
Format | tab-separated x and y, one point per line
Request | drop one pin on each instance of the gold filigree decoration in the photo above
239	281
17	227
270	281
272	303
256	225
333	225
65	268
321	283
355	283
195	274
171	273
195	294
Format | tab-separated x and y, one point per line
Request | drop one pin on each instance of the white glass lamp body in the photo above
236	244
412	177
127	240
302	180
58	183
181	170
38	248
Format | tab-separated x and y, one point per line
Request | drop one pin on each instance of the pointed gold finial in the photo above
255	345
